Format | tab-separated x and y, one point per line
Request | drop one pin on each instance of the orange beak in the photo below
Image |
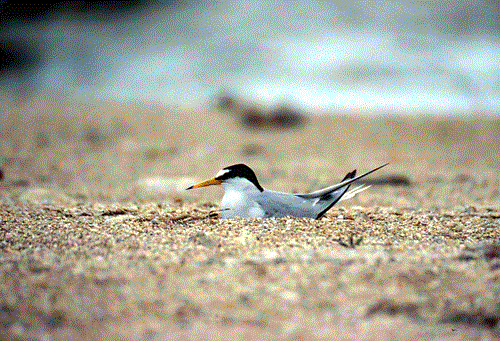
212	181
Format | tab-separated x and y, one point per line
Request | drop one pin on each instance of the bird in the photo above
244	197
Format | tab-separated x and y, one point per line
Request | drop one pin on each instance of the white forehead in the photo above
222	172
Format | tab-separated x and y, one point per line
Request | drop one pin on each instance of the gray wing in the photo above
279	205
341	184
311	205
325	198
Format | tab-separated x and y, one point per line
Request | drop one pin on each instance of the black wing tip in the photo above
190	187
350	175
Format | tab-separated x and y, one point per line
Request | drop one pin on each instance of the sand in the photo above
99	240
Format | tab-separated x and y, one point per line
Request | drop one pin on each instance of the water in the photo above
396	56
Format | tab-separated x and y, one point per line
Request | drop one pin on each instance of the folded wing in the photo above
327	197
312	205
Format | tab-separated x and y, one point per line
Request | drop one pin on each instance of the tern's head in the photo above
238	175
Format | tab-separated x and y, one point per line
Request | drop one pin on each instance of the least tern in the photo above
244	197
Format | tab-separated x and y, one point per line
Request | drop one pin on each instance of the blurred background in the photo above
322	56
134	100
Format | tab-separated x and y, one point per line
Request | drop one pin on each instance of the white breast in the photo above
237	203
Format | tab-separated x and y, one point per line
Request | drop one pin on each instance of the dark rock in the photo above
389	180
286	117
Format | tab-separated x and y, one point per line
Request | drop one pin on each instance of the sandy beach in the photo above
99	239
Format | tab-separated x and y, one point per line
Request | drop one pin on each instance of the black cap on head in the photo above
239	170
